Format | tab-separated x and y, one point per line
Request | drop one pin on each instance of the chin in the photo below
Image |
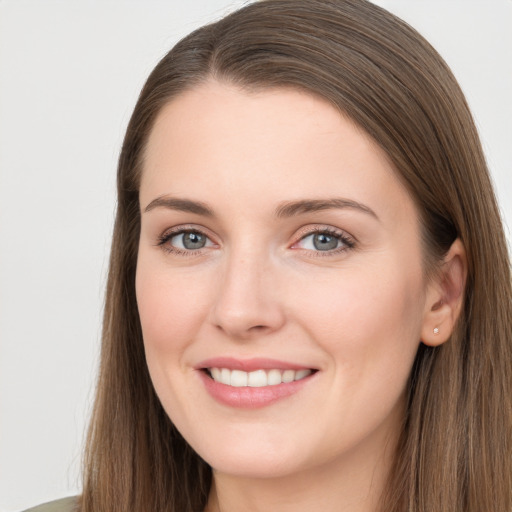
254	461
256	467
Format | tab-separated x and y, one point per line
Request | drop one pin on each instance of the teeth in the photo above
256	379
238	378
225	376
288	376
216	374
274	377
300	374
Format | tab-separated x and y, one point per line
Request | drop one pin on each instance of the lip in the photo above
249	365
251	397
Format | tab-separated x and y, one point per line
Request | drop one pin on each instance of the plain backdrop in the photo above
70	73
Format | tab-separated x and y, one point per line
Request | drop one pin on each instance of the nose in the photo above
248	302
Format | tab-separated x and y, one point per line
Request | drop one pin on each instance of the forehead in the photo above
224	143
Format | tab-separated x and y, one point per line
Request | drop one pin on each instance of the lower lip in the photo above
251	398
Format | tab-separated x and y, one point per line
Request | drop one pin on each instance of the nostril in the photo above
259	329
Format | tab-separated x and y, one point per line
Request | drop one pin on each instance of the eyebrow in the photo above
284	210
182	205
291	208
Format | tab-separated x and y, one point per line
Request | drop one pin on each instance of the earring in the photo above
436	330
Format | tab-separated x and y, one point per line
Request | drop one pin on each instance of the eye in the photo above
190	240
325	240
184	241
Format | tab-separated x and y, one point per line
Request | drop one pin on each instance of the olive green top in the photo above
63	505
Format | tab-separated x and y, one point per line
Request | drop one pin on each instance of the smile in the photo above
258	378
253	383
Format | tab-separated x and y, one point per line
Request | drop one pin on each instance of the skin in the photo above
260	288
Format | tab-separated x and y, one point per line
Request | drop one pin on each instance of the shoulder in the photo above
62	505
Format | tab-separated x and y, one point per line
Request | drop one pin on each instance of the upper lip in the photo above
249	365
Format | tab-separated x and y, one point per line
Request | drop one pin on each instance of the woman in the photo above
309	299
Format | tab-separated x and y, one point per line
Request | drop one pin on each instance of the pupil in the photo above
323	242
194	240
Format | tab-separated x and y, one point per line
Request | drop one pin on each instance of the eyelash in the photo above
165	237
346	240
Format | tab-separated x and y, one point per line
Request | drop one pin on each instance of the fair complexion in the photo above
275	236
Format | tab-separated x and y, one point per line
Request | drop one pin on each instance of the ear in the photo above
445	295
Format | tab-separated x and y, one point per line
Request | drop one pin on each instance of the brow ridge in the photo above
284	210
183	205
292	208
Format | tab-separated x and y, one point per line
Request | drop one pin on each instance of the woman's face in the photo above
279	281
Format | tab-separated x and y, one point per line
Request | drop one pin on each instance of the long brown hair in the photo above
455	449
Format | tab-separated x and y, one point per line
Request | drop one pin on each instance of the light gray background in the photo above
70	72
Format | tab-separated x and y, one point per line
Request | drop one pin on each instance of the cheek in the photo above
171	312
171	307
367	319
370	328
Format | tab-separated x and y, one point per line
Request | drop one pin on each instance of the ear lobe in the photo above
445	296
